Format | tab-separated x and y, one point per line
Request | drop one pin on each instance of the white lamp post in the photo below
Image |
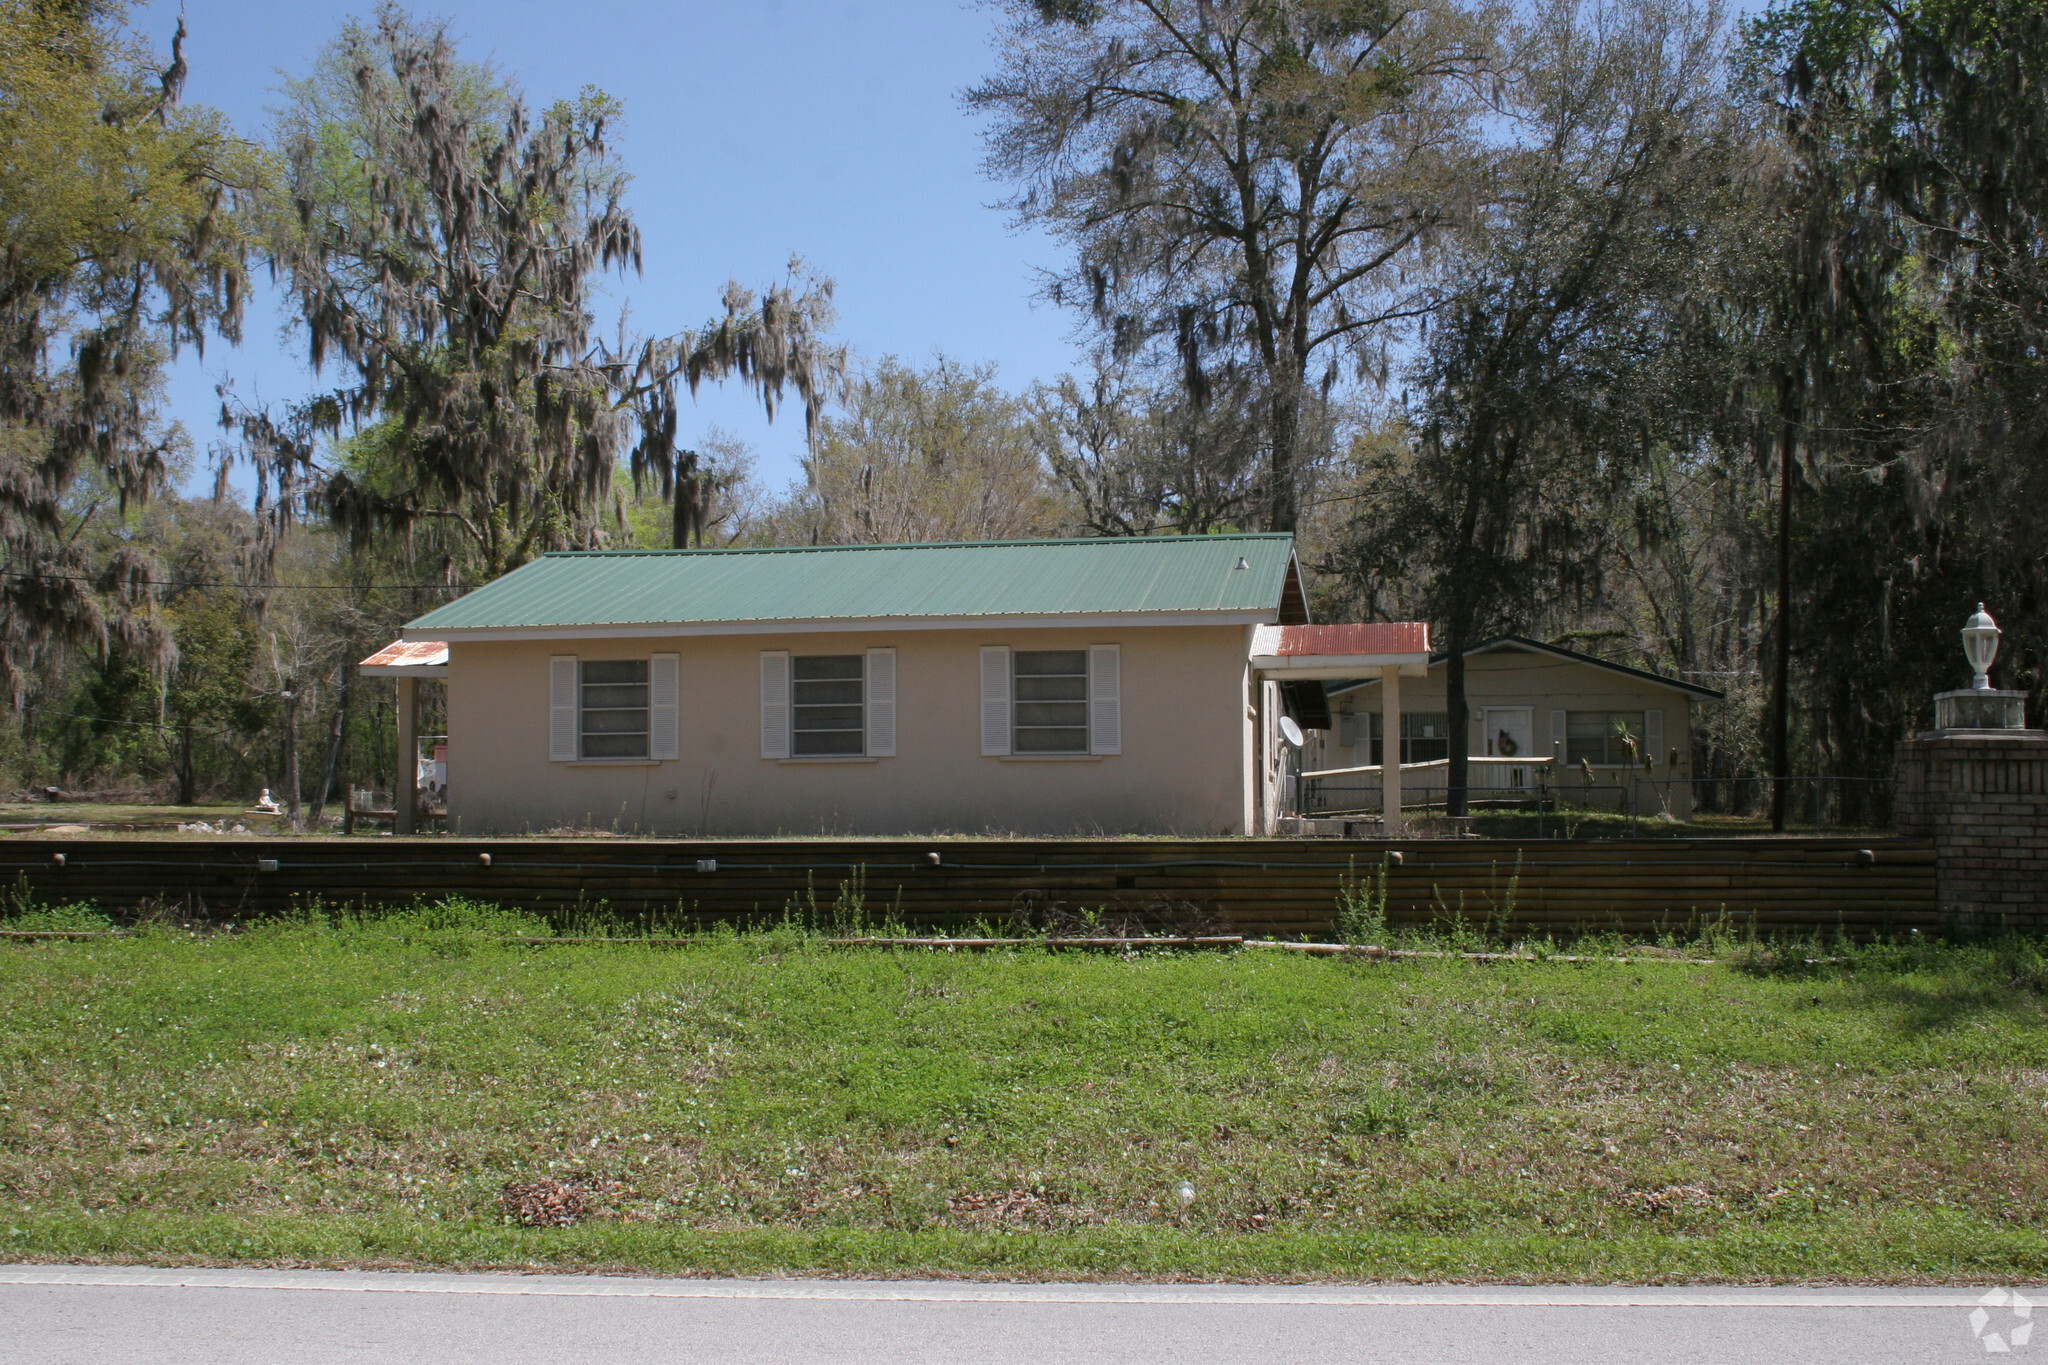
1980	646
1980	706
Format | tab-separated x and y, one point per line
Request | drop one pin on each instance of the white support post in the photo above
408	756
1390	749
1268	824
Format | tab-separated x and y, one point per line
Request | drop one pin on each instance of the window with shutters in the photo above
1602	738
827	711
1049	701
612	709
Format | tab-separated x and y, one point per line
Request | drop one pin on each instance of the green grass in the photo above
361	1091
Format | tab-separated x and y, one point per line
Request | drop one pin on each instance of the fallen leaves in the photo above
1670	1199
1010	1208
551	1203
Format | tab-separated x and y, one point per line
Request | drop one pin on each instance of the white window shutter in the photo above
775	703
1105	707
562	709
995	699
665	706
1653	735
1557	733
881	703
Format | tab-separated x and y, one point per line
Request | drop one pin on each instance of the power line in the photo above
162	727
249	587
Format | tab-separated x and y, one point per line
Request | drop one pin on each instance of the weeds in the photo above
1362	905
22	912
845	917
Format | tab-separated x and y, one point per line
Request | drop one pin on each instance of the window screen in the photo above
1050	692
613	714
1425	736
1601	737
826	712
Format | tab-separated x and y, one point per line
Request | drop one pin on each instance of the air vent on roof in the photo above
1240	563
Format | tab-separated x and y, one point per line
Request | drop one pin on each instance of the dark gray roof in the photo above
1523	642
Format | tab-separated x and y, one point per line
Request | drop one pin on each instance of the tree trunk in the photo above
188	775
1781	639
1283	501
1458	718
337	736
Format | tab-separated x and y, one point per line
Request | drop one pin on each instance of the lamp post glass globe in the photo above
1980	646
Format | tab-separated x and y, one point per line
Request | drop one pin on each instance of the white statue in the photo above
265	804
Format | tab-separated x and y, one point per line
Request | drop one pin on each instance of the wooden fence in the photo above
1283	887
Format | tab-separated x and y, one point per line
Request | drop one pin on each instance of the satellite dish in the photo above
1290	733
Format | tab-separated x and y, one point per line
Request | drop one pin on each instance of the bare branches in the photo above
1233	174
1145	460
921	454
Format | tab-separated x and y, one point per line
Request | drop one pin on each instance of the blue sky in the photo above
754	131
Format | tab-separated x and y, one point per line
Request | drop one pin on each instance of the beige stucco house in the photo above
1540	715
1032	687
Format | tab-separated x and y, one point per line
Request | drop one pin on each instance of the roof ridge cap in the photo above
1047	541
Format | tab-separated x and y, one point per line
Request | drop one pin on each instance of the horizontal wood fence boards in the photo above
1284	887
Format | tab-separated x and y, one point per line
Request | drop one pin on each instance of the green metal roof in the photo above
1002	578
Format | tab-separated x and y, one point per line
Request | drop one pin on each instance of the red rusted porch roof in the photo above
407	658
1370	637
1351	651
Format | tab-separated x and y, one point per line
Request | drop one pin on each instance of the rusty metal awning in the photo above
407	659
1347	651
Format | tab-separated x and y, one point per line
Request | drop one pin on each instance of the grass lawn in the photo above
100	815
364	1093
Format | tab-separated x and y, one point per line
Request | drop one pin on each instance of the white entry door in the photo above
1510	733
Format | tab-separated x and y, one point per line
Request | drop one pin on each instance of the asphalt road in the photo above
86	1315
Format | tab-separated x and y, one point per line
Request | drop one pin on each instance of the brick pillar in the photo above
1982	796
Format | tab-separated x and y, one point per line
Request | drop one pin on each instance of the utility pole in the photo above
1781	642
291	755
